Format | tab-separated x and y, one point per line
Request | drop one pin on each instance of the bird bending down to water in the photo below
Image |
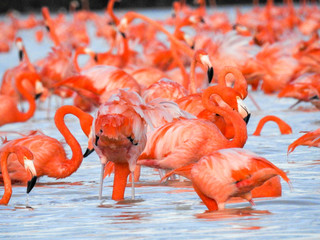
283	126
50	158
25	158
227	173
120	133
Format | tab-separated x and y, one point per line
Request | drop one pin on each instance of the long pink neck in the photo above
182	68
283	126
240	84
192	81
183	47
111	13
125	55
240	128
70	165
4	169
6	179
25	93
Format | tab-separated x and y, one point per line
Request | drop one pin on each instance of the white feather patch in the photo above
29	165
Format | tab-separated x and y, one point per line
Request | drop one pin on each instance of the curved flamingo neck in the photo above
50	26
131	15
6	179
111	13
202	8
69	165
240	84
182	68
240	128
30	99
126	52
192	80
283	126
5	174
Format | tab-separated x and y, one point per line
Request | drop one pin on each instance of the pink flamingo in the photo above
50	158
227	173
8	105
25	158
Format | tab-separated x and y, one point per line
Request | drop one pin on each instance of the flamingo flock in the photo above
168	94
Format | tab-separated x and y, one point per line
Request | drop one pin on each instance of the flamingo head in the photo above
19	45
27	161
243	110
202	57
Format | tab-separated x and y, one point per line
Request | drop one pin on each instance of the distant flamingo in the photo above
8	105
95	85
283	126
8	81
25	158
50	158
120	134
227	173
179	143
311	139
130	16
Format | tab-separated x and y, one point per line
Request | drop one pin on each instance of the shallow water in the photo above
69	208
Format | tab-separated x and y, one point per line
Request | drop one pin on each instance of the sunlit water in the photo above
69	208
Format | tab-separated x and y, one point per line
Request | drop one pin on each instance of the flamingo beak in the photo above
95	57
243	110
20	47
210	74
206	61
37	96
96	141
31	183
122	26
29	165
123	34
246	119
88	152
39	89
20	55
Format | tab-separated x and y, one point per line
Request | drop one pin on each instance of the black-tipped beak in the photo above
315	97
123	34
202	20
192	47
96	141
20	55
246	119
210	74
88	152
31	184
38	95
48	28
95	57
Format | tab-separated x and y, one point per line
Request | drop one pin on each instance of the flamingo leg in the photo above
132	186
101	181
